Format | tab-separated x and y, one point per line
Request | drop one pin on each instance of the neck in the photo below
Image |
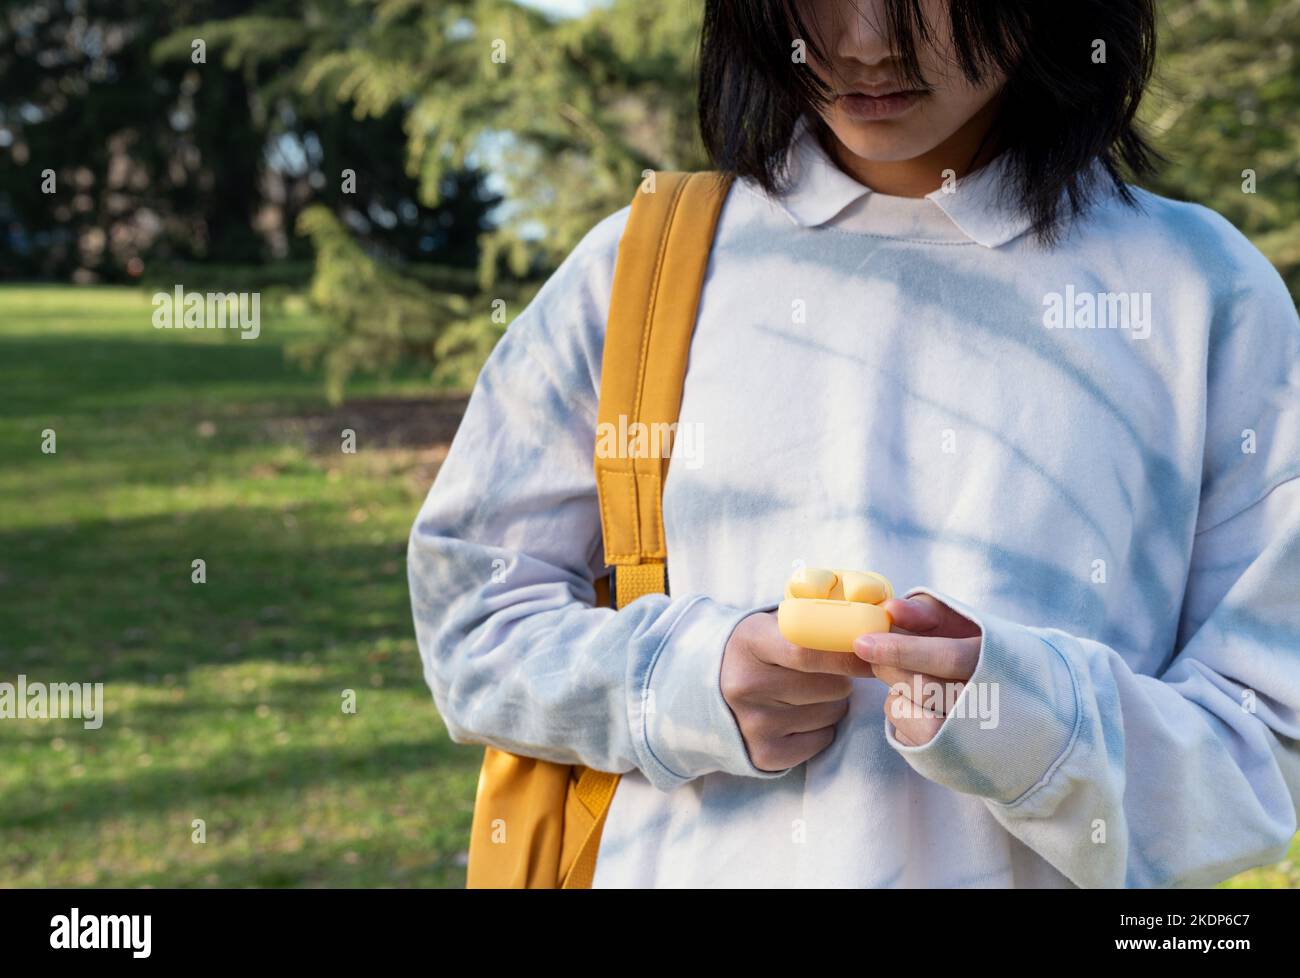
965	151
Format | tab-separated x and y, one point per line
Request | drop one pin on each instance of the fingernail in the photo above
864	644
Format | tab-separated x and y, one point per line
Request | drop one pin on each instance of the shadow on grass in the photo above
272	778
74	372
358	863
114	599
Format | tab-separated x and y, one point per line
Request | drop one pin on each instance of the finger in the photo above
788	751
949	658
901	710
805	719
917	725
923	615
773	648
772	721
800	659
924	690
790	688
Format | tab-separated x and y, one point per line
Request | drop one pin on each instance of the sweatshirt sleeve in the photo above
503	555
1186	777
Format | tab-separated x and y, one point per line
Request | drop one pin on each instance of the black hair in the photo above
1059	111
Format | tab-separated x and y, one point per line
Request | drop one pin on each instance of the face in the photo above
876	115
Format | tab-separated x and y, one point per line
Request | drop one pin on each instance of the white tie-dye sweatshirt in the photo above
1090	451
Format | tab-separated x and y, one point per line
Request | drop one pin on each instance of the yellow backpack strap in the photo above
662	258
658	274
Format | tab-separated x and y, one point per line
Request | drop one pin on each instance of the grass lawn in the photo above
223	698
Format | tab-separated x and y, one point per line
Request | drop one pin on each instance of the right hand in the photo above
786	699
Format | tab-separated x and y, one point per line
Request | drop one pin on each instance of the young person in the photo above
940	338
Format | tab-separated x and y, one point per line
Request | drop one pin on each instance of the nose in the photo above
863	32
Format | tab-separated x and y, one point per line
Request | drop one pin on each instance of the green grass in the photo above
224	698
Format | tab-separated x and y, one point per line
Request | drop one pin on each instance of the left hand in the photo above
929	644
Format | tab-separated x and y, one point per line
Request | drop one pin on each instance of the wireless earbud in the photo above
812	582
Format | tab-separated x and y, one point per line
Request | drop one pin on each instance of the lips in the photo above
883	104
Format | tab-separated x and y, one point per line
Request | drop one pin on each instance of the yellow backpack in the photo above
537	824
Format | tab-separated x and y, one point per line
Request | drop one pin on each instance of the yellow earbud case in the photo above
828	609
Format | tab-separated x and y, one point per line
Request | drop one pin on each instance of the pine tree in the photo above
574	111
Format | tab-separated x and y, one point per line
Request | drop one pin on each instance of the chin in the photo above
880	142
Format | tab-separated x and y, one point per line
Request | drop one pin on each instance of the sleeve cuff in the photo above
1012	725
682	725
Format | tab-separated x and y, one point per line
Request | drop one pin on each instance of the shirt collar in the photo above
819	190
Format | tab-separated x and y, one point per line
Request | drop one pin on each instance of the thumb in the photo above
922	614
